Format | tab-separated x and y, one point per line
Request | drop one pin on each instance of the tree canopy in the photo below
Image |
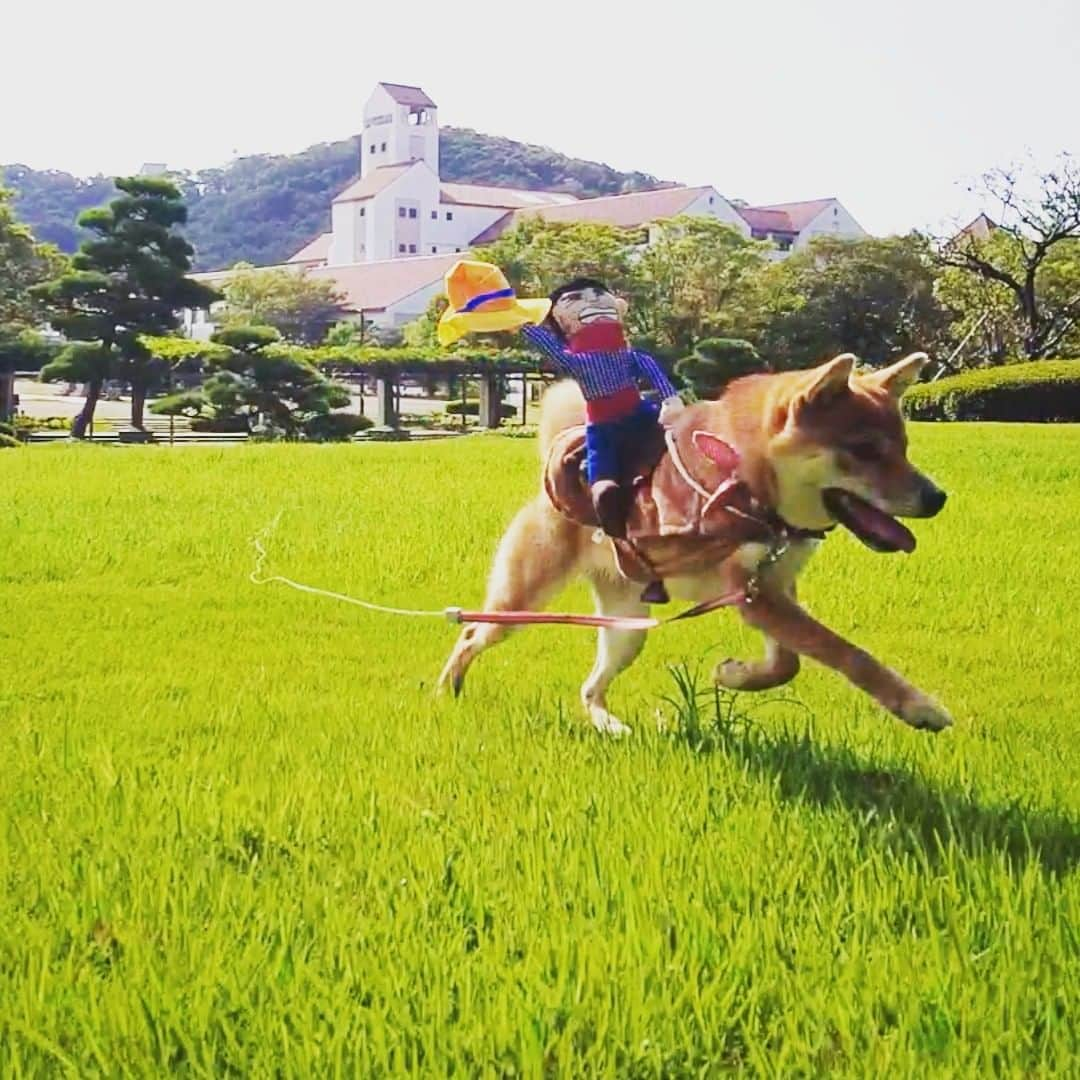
696	278
872	297
301	308
24	263
1027	258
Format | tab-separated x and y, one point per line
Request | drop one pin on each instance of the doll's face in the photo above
589	304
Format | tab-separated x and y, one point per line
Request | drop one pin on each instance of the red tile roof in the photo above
625	211
371	286
799	213
979	229
760	220
508	198
315	251
408	95
375	286
365	187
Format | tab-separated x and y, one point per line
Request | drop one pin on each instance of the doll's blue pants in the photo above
607	442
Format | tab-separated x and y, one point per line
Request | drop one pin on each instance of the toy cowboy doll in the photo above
582	334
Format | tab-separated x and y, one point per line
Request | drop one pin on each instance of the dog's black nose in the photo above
934	499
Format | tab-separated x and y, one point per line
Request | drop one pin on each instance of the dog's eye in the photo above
864	451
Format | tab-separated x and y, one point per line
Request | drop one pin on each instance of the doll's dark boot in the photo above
655	593
611	505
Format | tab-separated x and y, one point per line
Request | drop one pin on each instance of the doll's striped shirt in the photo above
601	374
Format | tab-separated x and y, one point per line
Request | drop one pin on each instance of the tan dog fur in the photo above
797	434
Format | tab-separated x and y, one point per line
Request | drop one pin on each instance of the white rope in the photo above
256	578
455	614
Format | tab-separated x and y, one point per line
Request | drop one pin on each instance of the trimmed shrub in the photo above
471	407
715	362
219	423
183	403
25	424
335	427
1039	391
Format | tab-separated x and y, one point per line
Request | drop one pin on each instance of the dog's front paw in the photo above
925	714
756	674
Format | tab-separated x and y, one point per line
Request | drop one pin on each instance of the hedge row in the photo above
360	358
1038	391
471	407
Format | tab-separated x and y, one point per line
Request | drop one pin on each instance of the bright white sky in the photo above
885	105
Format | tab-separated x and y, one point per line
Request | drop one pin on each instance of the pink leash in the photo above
506	618
606	622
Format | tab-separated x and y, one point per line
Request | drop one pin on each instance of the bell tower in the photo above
401	125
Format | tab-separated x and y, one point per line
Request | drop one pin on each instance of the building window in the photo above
412	249
457	249
434	215
449	215
373	148
383	148
712	199
401	211
433	249
362	211
401	249
412	211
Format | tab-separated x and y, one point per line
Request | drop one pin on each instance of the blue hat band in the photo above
483	298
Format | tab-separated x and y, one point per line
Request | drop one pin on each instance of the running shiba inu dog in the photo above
808	450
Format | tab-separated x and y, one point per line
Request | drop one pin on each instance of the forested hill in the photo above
262	209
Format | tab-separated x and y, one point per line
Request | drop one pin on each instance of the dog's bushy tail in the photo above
562	406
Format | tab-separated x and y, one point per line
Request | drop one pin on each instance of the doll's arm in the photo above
549	344
671	402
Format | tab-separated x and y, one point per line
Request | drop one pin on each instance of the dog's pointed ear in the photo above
899	376
829	379
826	381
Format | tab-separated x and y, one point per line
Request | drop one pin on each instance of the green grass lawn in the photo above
240	836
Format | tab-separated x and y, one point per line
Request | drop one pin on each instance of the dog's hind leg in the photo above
616	649
535	557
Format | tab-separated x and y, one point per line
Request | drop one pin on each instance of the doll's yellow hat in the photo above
481	300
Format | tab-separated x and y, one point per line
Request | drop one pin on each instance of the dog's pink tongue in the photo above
880	525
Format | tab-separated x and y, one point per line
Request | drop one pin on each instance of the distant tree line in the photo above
263	209
709	302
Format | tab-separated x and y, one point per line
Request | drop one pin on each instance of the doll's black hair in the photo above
570	286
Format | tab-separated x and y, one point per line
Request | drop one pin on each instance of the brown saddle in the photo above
684	482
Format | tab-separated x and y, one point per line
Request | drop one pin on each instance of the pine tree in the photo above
271	388
129	280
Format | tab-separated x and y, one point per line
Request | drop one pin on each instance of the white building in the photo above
397	229
791	226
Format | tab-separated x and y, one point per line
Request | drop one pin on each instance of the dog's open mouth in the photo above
875	528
